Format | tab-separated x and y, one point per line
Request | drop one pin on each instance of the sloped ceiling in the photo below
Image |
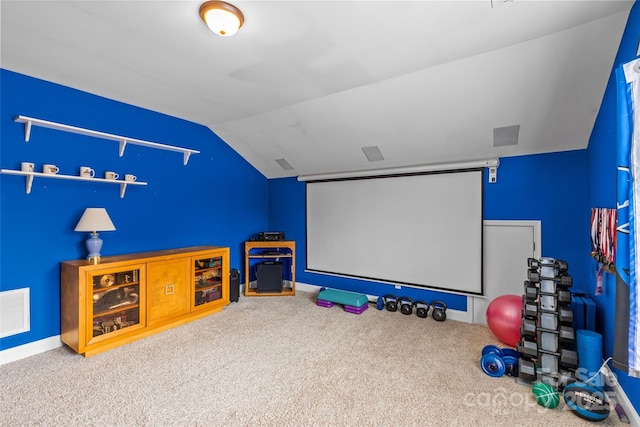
313	82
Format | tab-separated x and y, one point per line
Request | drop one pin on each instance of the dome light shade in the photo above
221	17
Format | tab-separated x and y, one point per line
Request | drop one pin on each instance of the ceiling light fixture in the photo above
221	17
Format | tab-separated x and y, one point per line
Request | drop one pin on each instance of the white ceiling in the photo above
314	81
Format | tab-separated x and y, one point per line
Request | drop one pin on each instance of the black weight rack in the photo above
547	337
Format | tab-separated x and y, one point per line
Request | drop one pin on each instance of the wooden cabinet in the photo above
260	253
128	297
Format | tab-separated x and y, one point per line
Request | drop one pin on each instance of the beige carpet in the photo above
279	361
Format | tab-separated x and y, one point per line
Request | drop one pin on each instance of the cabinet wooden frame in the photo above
259	250
168	302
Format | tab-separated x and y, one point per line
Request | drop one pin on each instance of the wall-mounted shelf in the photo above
123	140
30	175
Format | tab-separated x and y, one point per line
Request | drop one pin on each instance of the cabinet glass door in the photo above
115	303
207	280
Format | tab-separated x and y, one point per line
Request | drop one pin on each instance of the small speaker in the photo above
234	285
269	276
507	135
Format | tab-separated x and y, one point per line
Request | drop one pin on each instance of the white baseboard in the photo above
30	349
623	400
458	315
307	288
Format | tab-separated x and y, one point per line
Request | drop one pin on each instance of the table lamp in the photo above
94	220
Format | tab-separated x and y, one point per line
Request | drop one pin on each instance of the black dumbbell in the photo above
568	358
529	308
527	369
565	280
564	296
567	335
565	315
528	348
563	266
530	290
528	328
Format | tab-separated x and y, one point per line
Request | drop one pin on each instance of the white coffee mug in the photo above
130	178
111	175
87	172
27	167
50	169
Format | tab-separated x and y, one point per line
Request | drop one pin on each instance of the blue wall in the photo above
547	187
217	199
602	192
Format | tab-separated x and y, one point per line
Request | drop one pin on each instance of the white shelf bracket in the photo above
123	144
123	188
186	157
27	130
29	183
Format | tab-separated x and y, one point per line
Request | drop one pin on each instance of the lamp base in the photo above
94	244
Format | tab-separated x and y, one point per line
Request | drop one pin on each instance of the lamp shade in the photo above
95	219
221	17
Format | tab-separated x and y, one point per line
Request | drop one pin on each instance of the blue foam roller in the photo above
589	345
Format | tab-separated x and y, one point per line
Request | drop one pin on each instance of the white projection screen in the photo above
423	230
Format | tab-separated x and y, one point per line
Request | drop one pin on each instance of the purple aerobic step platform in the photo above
347	308
323	303
355	310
